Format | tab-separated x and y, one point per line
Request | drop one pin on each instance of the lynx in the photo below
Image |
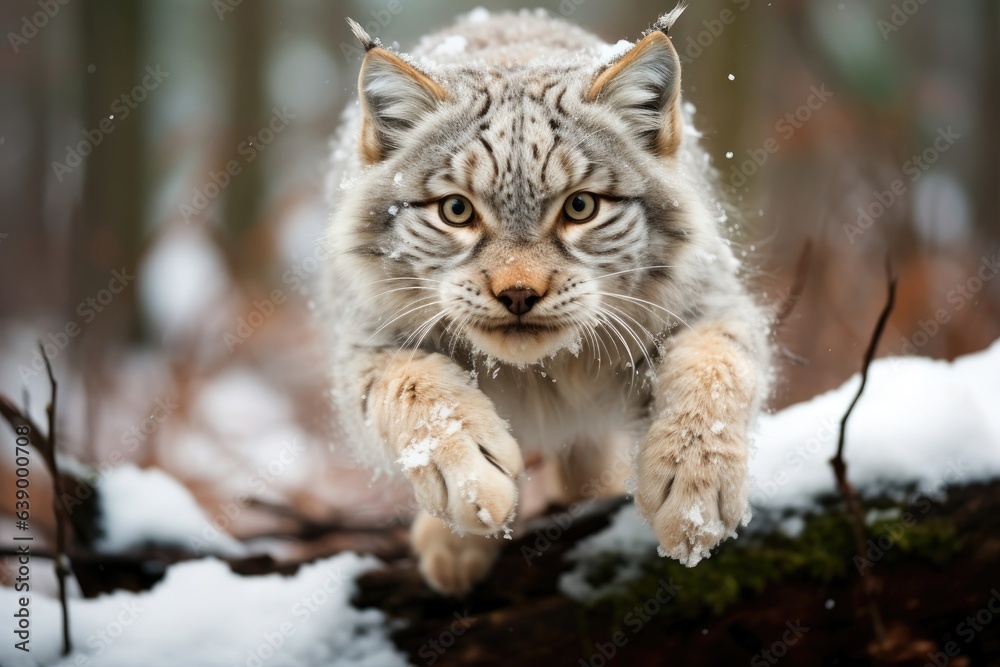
527	257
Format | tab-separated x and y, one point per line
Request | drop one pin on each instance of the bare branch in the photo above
62	563
840	467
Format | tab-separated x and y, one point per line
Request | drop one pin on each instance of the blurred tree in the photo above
108	229
247	48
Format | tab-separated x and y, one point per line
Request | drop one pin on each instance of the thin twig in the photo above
62	559
840	466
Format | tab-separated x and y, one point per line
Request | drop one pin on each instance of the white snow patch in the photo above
628	535
393	209
608	53
718	427
148	506
478	15
398	178
183	278
204	614
452	45
418	453
919	421
694	516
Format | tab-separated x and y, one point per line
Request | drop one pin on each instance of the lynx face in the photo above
520	210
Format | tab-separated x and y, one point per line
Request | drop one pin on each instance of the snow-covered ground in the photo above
203	614
920	422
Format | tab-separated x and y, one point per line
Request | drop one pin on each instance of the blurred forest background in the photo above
174	296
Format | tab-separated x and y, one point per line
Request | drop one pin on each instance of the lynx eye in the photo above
580	207
457	211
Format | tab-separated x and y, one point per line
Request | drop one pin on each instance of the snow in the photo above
140	507
417	454
608	53
398	178
627	535
439	423
451	45
920	423
478	15
183	278
203	614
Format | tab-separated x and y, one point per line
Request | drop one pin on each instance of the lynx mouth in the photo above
521	328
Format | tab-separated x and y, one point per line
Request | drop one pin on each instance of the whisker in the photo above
618	273
415	288
412	310
427	326
650	303
625	313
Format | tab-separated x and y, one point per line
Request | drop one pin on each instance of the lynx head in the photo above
522	207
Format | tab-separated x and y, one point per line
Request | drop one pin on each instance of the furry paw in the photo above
451	564
463	465
692	488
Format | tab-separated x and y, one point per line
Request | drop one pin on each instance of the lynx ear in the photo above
644	86
394	96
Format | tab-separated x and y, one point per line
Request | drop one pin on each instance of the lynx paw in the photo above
451	564
692	488
463	465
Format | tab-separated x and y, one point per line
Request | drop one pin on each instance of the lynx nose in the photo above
518	300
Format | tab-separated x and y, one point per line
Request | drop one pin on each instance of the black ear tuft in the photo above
367	41
666	21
